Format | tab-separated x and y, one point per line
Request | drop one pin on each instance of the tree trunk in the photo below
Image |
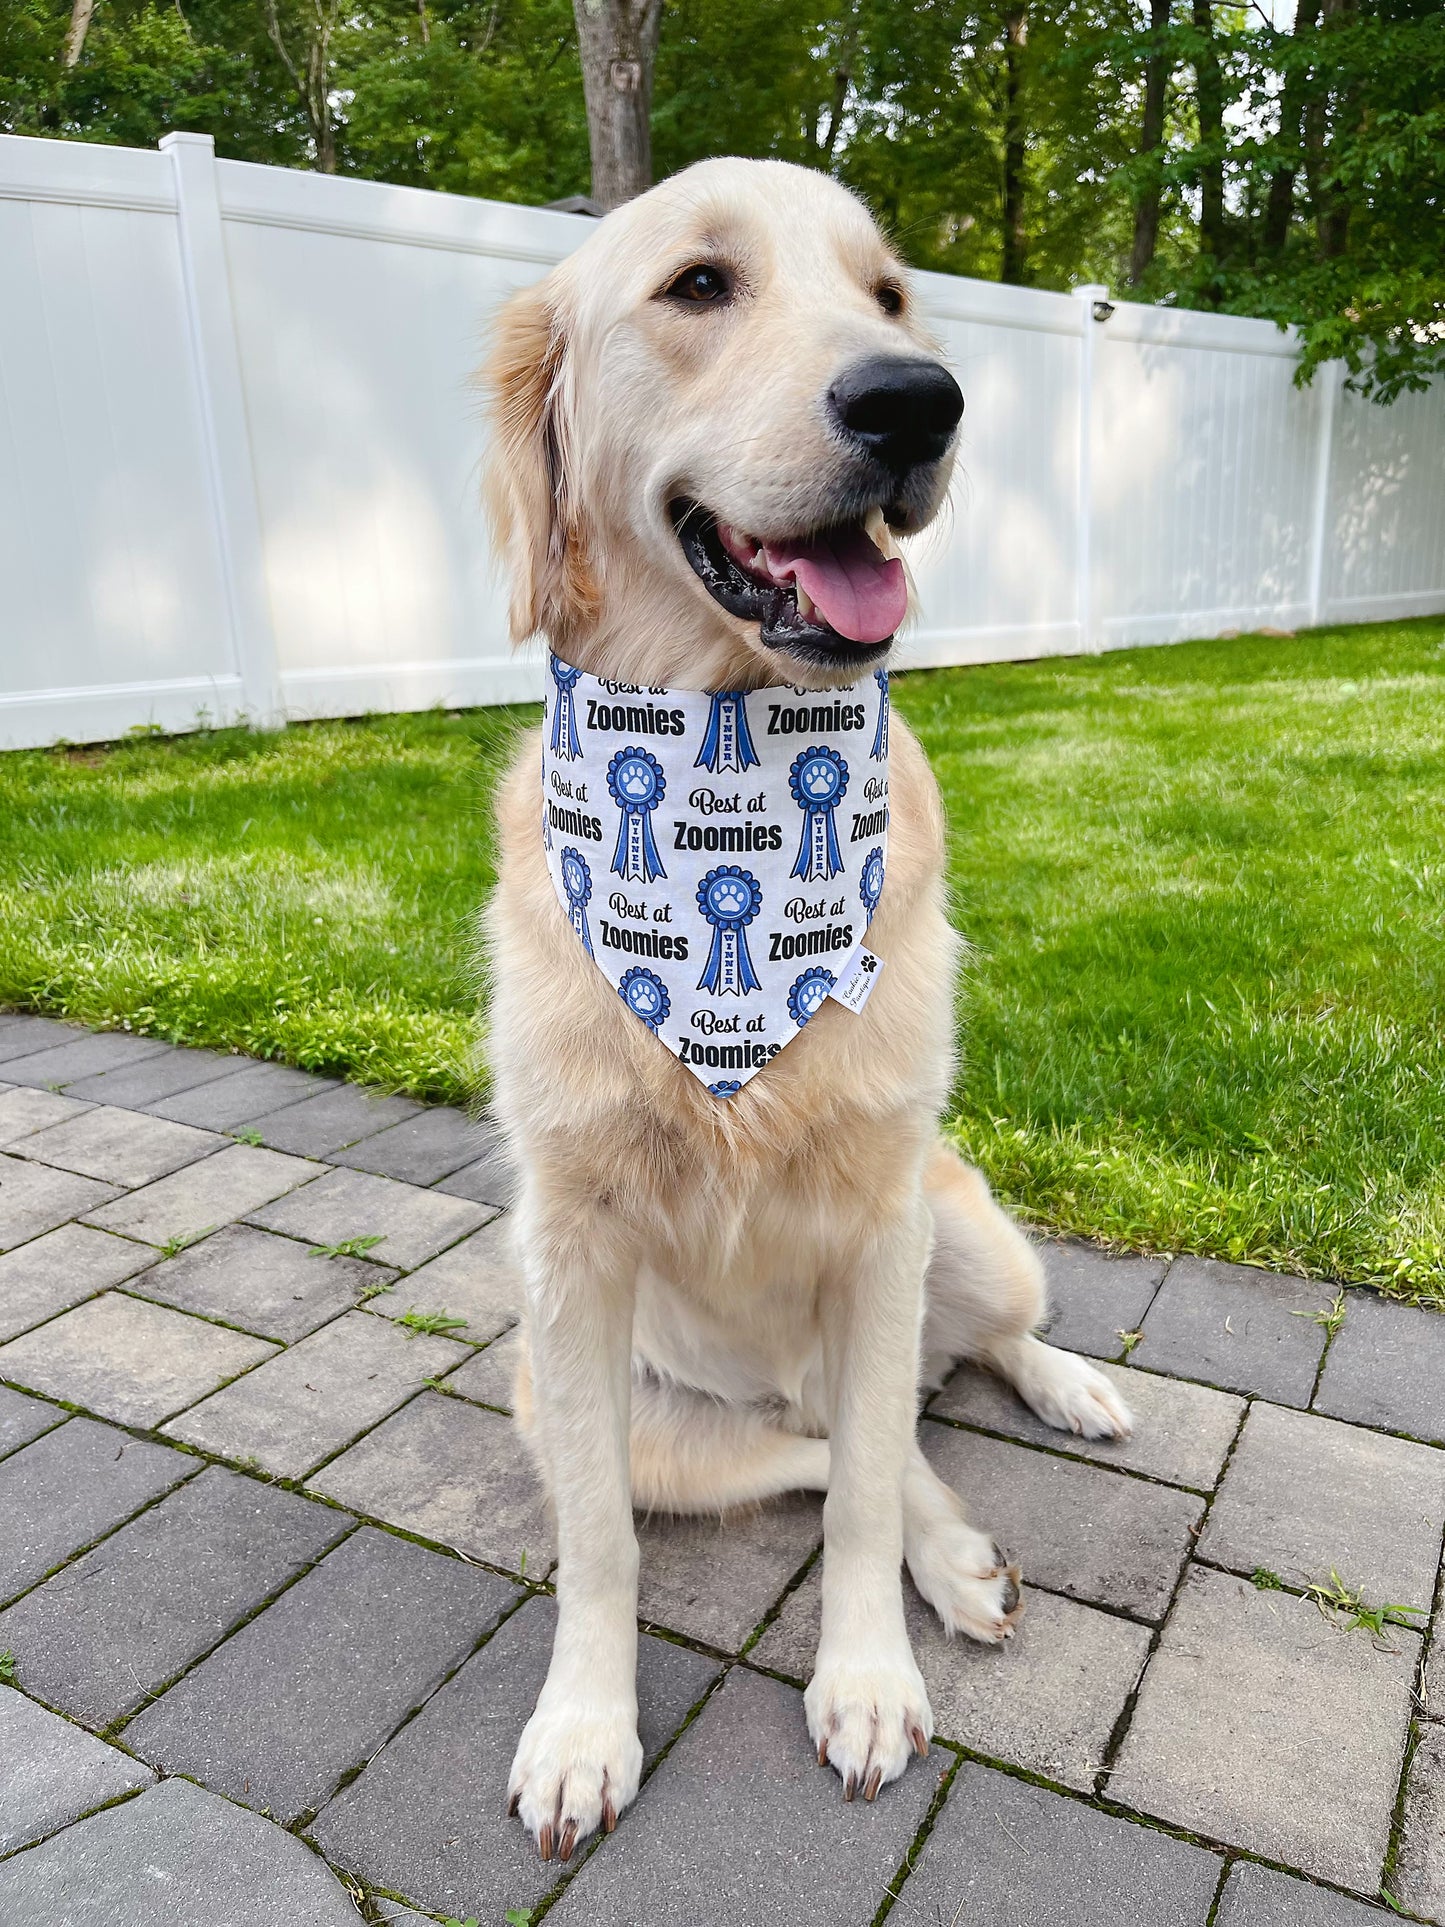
1279	208
312	78
618	42
1151	139
1015	240
80	17
1330	203
1209	97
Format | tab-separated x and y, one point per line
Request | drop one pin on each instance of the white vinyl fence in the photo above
239	455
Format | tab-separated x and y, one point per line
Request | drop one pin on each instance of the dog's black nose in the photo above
904	412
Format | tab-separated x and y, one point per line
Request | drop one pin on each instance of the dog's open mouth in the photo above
832	596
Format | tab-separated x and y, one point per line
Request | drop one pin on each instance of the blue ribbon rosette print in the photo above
727	743
565	745
645	995
729	898
879	751
637	786
819	782
809	994
577	882
870	883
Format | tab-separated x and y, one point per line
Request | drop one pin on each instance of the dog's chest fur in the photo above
729	1200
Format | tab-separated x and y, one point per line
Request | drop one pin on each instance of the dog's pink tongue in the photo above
856	589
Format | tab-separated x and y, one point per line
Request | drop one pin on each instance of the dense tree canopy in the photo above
1183	150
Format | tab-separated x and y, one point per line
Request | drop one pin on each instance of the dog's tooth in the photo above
805	602
873	523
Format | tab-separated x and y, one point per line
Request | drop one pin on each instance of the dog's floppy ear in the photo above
530	485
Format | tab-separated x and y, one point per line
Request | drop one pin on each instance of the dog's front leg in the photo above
867	1705
579	1759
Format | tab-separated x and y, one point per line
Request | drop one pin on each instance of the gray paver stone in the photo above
309	1401
1257	1896
1261	1724
1387	1367
425	1148
51	1772
1306	1496
119	1147
322	1124
428	1817
477	1280
414	1224
23	1419
491	1180
1047	1700
1094	1296
24	1111
174	1857
768	1832
58	1270
25	1035
71	1486
1420	1870
81	1056
205	1196
128	1359
1182	1432
321	1679
1080	1529
105	1633
713	1579
251	1092
1236	1327
451	1472
137	1086
1002	1850
253	1278
489	1375
35	1199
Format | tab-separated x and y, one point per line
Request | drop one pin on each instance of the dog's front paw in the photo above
865	1720
967	1579
578	1766
1071	1395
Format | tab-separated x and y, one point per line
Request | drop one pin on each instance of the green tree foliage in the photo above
1294	169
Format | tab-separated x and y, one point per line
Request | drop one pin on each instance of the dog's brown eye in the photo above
889	298
704	285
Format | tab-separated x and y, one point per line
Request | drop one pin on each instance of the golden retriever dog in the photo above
725	386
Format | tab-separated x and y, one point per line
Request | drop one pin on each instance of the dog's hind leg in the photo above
691	1453
984	1297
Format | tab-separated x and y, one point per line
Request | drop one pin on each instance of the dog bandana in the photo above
719	856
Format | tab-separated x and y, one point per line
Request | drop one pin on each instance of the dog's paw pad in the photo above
969	1582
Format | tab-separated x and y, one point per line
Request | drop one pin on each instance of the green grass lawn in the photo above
1205	889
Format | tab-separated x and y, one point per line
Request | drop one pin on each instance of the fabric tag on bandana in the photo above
855	986
720	856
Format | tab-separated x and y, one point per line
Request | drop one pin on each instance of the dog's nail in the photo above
823	1751
609	1815
872	1784
568	1841
513	1802
850	1786
544	1842
920	1741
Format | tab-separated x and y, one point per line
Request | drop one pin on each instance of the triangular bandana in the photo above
719	856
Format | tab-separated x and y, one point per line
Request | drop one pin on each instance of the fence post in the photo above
211	330
1330	378
1087	296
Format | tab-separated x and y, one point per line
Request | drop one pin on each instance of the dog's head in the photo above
708	424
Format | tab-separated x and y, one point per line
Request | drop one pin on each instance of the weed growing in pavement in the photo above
1349	1609
183	1240
430	1322
349	1247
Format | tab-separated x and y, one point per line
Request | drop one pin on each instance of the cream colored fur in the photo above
728	1300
